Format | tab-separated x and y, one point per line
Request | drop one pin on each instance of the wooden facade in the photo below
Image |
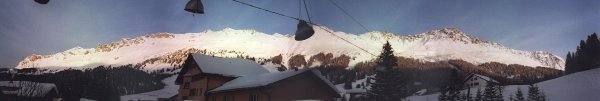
198	85
477	81
193	83
28	91
304	86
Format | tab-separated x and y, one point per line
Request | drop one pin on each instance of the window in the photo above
253	97
227	98
476	84
193	92
201	91
184	97
197	77
186	85
213	98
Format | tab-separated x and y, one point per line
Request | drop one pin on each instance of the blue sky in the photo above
547	25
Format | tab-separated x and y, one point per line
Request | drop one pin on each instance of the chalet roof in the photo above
27	88
228	66
481	77
267	79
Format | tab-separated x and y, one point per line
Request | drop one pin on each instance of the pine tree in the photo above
519	95
388	84
535	94
569	63
499	96
465	97
478	96
492	92
347	85
443	95
512	98
594	48
585	57
455	94
452	93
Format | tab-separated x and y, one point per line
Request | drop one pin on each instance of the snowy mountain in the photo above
165	50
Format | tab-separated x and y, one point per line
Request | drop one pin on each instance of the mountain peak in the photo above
447	32
451	33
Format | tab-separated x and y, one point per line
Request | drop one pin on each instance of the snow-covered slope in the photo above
166	50
168	91
581	86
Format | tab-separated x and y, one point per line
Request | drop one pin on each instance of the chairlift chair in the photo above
42	1
304	31
194	6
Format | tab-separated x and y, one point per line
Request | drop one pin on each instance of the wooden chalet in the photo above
28	91
478	81
207	78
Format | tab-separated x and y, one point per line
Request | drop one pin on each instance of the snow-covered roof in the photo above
28	88
228	66
485	78
482	77
266	79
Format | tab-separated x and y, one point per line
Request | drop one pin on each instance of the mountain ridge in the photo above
166	50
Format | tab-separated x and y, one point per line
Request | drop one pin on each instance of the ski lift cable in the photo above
308	15
348	14
346	40
299	9
294	48
270	11
306	9
307	22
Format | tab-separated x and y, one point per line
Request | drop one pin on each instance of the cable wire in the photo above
268	10
310	22
346	41
306	9
348	14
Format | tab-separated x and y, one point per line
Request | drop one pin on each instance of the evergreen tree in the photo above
569	63
519	95
535	94
585	57
512	98
452	93
492	92
466	97
388	84
499	96
478	96
347	85
443	95
594	48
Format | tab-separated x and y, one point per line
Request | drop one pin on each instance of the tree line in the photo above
393	78
585	57
491	92
103	83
